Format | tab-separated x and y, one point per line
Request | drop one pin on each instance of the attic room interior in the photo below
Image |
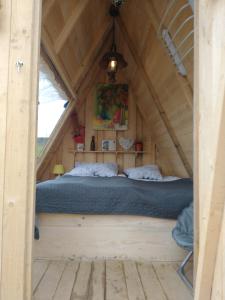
112	165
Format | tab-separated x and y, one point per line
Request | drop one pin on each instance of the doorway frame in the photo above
20	27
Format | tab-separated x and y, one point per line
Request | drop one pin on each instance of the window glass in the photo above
51	105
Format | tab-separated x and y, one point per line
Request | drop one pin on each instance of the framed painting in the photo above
111	107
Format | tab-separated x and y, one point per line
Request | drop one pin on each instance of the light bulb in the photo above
112	65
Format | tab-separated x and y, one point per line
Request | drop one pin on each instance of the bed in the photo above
115	217
113	195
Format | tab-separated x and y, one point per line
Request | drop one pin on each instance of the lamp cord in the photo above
114	38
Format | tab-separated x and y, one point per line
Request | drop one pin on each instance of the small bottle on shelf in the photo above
92	146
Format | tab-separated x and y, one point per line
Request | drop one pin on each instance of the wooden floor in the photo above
110	280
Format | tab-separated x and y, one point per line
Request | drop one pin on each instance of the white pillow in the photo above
170	178
79	171
146	172
99	169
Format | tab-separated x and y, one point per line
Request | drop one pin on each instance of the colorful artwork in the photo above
111	107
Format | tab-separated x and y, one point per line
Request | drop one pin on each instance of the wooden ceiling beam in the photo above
154	97
47	6
92	75
183	81
47	44
93	53
70	24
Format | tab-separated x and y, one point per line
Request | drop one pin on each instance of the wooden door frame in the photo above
20	24
209	141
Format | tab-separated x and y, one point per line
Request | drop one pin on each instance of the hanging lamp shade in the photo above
113	61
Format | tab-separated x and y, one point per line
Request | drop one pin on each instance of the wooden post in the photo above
210	140
19	52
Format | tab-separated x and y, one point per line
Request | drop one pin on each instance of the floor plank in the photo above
66	283
97	286
115	281
151	285
39	268
110	280
134	286
48	285
171	283
81	286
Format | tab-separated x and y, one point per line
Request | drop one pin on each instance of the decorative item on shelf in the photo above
108	145
92	145
79	138
139	146
113	61
58	170
126	144
80	147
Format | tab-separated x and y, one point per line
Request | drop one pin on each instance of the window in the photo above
51	104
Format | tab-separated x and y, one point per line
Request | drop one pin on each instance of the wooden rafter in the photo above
48	46
183	81
155	97
47	6
70	24
92	54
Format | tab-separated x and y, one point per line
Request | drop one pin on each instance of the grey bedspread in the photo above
115	195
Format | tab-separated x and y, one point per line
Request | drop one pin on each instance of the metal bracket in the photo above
19	65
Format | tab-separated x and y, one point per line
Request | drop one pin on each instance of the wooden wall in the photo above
137	130
162	99
168	108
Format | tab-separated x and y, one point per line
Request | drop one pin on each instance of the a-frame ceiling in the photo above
75	34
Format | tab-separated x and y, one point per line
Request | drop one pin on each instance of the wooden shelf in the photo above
110	152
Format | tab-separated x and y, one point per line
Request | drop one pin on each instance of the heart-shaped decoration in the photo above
126	144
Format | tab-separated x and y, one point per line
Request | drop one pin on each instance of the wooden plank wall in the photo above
163	97
20	39
141	24
137	130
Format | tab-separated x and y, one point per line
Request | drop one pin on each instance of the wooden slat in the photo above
47	6
155	98
81	287
67	280
172	285
47	287
19	35
210	138
151	285
39	268
115	281
97	286
134	286
70	24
